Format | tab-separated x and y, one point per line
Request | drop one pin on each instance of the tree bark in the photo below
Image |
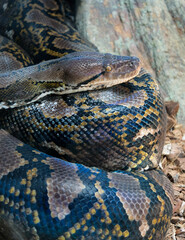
152	30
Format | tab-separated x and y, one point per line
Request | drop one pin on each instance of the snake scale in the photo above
81	134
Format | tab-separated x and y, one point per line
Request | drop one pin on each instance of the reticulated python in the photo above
62	107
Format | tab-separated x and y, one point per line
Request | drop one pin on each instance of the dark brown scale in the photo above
41	28
12	56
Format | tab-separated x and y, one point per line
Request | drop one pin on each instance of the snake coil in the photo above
81	136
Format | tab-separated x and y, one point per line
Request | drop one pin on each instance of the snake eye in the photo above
108	68
131	64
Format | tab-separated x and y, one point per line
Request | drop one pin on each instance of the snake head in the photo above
76	72
93	70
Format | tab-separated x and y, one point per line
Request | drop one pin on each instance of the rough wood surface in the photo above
153	30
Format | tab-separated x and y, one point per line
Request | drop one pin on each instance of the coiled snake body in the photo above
90	186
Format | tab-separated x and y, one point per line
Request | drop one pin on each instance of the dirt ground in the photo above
173	164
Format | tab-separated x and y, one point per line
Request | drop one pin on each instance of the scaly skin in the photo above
116	129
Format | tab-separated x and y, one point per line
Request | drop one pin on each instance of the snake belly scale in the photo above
79	153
